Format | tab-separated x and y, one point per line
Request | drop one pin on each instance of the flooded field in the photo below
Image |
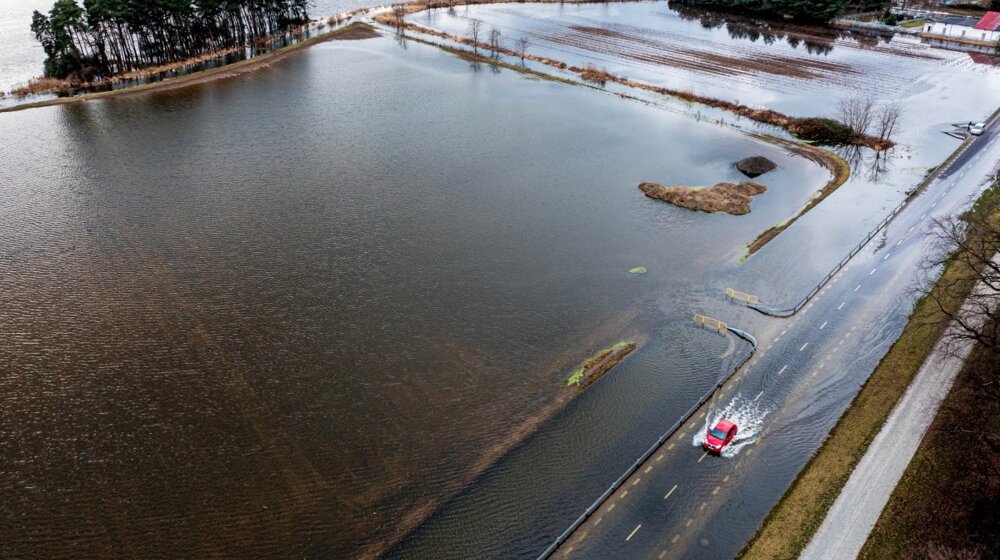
327	309
270	317
803	71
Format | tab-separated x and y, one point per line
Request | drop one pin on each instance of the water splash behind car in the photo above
746	414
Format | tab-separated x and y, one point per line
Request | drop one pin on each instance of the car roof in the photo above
725	424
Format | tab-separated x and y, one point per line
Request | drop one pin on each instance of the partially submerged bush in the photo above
38	86
592	74
822	131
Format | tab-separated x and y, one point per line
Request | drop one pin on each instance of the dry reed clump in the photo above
36	86
731	198
590	73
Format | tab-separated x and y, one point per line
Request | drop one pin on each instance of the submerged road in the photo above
682	503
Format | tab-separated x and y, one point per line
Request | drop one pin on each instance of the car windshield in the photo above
718	433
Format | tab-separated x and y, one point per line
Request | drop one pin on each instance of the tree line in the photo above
800	10
104	37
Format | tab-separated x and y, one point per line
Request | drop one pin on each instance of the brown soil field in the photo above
731	198
631	43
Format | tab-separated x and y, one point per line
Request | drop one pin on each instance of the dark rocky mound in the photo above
755	166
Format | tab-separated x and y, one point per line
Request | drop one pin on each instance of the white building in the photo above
965	34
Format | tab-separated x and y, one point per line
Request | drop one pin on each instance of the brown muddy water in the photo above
300	312
292	313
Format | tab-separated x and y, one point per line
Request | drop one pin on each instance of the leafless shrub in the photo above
887	120
475	33
857	113
938	552
971	243
495	36
522	45
399	10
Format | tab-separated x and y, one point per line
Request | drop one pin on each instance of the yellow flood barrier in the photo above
710	323
742	296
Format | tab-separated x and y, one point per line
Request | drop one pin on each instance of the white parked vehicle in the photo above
977	129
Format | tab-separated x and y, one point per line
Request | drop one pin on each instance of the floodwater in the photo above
802	71
300	312
21	56
292	313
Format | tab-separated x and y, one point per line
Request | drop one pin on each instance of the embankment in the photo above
592	370
839	169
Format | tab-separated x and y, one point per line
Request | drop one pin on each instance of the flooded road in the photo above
299	312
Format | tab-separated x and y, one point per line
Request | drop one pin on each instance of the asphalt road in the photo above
684	504
852	516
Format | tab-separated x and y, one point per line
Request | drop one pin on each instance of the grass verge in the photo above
946	504
793	521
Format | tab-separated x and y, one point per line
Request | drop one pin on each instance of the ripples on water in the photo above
21	56
287	314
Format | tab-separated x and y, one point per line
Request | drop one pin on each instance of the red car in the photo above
719	436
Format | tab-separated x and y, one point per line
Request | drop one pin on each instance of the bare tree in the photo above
971	243
398	12
495	41
887	120
522	45
475	32
857	113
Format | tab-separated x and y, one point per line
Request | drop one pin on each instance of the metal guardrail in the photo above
742	296
565	535
788	312
707	322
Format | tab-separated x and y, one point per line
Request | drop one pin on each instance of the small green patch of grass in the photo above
598	365
575	378
637	270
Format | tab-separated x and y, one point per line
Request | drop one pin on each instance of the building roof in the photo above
990	22
956	20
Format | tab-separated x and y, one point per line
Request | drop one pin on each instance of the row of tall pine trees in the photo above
103	37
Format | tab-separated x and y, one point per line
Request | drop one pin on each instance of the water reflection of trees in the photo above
816	40
866	162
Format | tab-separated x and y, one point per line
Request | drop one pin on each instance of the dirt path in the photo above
852	516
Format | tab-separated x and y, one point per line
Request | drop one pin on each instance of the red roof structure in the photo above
990	22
